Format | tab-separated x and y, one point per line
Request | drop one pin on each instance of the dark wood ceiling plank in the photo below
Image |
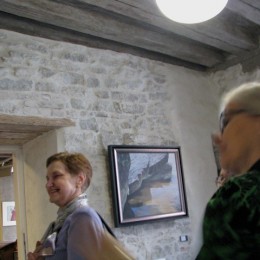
216	33
246	9
254	3
230	36
109	27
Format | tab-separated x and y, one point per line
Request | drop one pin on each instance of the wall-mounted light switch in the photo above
183	238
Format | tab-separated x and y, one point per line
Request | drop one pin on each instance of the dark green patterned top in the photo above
231	227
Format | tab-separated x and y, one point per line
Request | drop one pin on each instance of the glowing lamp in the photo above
191	11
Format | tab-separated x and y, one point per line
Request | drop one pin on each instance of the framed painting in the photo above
8	210
147	183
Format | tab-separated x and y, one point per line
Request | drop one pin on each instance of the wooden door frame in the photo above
21	228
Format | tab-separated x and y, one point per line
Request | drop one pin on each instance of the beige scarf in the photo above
63	213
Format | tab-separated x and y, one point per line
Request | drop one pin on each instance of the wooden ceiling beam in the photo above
103	25
254	3
246	9
139	28
34	121
21	129
226	35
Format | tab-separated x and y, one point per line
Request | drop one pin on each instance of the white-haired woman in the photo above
231	226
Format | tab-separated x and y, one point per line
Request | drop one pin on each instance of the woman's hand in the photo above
35	255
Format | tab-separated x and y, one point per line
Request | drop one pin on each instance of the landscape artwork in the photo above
147	183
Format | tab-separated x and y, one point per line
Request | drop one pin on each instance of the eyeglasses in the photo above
225	118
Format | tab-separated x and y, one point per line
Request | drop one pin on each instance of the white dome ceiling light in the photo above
191	11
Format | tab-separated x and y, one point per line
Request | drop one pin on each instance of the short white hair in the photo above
247	96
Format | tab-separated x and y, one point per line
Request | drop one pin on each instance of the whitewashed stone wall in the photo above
120	99
233	77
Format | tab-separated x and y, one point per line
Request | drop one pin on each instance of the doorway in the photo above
13	191
29	141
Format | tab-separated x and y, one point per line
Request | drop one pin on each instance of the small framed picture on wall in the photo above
9	216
